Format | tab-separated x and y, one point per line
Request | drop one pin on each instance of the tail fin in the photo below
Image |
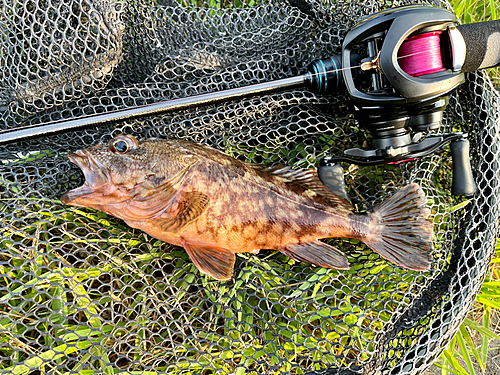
401	231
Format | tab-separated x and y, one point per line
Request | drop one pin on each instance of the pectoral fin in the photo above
192	204
317	253
214	261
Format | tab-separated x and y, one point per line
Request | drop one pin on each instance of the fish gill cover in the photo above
81	292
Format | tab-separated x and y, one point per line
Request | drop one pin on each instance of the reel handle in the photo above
463	181
331	174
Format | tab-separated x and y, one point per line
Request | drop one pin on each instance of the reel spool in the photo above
421	54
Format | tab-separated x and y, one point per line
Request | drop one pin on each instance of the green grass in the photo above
468	352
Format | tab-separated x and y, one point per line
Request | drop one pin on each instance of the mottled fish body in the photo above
214	206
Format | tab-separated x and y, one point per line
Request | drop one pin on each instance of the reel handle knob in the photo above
332	176
463	181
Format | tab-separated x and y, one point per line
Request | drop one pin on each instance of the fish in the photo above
215	206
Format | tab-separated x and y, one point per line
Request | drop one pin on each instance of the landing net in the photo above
82	293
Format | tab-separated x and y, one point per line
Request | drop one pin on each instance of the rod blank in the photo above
150	109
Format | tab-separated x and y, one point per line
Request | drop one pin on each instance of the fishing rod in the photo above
413	56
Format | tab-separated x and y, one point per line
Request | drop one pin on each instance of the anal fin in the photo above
214	261
317	253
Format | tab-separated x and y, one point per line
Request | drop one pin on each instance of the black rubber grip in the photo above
463	181
482	44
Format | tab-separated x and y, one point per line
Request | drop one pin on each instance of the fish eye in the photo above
121	147
122	144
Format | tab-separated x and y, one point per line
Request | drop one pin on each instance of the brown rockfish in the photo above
214	206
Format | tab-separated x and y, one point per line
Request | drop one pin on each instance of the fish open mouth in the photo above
95	176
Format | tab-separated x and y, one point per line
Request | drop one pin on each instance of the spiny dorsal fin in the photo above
291	183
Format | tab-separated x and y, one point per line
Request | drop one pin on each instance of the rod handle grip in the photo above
482	45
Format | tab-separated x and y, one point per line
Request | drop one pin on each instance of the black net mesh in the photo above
82	293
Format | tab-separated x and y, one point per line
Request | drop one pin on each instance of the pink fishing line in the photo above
421	54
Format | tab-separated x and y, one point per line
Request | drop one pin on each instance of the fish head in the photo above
125	169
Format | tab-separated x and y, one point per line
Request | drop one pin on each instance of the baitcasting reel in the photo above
411	56
414	56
